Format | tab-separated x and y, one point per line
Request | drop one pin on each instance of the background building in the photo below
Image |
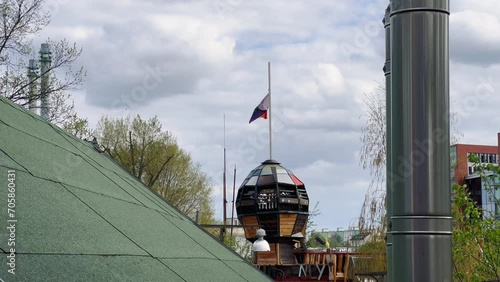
486	195
461	167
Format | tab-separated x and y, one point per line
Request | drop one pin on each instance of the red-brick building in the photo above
460	158
463	171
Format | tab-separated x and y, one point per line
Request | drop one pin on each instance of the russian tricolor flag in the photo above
261	110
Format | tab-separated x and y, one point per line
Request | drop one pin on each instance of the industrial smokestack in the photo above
421	221
32	74
388	107
45	61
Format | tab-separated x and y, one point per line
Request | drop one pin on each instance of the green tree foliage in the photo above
312	242
153	156
77	126
476	234
372	157
334	240
373	218
20	20
374	256
311	224
240	245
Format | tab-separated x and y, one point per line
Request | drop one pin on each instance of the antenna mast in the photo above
224	216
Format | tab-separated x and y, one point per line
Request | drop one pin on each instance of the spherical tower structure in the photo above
272	198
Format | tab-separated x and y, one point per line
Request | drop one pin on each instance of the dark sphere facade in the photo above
273	198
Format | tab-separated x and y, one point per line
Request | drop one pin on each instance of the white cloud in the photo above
203	37
212	57
477	26
474	37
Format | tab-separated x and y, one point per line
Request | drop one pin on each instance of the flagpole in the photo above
224	201
269	110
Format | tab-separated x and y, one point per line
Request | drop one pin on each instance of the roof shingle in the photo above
81	217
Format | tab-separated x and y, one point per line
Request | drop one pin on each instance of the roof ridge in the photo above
80	221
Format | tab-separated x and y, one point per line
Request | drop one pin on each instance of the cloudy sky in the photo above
192	62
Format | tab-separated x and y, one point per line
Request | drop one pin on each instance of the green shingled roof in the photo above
81	217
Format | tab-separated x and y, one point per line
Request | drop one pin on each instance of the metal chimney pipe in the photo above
45	61
421	229
388	117
32	74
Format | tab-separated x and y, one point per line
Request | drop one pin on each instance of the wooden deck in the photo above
304	266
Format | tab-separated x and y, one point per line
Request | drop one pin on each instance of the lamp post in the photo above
421	199
389	161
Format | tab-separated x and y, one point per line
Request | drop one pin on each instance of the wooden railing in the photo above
311	264
337	264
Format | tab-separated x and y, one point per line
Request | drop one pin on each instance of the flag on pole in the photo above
261	110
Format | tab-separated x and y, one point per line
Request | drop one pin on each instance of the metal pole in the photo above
224	200
421	221
388	102
269	112
232	206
